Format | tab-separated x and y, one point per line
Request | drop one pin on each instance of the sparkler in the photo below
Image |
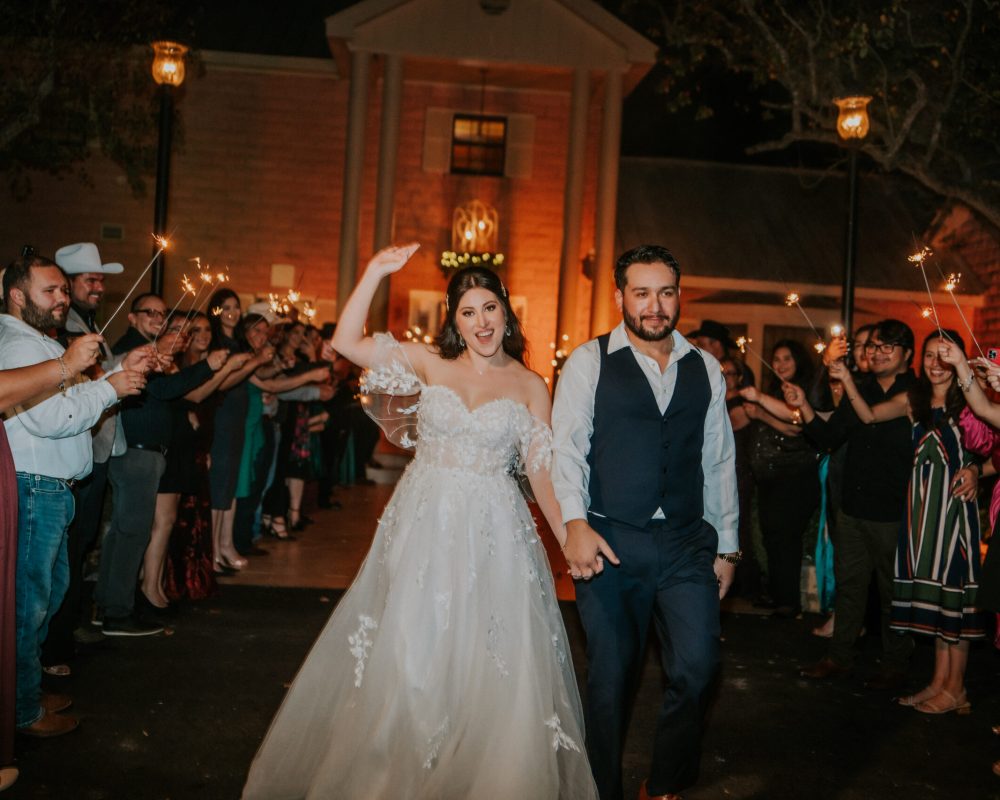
186	286
950	284
743	342
163	243
919	258
792	299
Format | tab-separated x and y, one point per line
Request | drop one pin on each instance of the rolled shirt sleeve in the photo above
718	461
572	427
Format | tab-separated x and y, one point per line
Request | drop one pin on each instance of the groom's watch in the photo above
732	558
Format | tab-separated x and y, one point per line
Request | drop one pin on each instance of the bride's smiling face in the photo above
481	321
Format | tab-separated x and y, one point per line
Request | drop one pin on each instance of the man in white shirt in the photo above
644	471
51	444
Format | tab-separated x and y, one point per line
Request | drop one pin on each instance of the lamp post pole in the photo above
166	92
847	298
168	72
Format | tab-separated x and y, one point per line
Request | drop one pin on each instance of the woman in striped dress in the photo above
937	558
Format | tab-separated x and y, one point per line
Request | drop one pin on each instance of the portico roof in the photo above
523	43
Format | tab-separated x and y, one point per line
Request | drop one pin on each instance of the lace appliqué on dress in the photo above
360	645
390	392
533	455
435	742
559	737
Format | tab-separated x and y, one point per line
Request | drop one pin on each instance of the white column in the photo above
357	109
569	260
388	147
601	306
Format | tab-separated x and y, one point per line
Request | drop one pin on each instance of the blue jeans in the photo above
45	510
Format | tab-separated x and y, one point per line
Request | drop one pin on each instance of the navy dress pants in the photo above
667	577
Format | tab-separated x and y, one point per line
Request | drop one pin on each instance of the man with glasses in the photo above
135	475
872	502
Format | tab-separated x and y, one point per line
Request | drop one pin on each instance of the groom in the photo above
644	472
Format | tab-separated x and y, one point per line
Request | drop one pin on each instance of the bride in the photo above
444	673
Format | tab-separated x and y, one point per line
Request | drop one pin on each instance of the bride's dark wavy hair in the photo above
449	343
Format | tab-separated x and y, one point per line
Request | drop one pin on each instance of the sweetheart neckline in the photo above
468	409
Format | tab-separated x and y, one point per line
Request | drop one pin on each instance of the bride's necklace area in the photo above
487	365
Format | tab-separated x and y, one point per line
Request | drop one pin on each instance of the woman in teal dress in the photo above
937	558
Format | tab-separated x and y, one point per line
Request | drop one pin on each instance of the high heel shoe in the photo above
300	520
231	563
960	705
277	530
925	694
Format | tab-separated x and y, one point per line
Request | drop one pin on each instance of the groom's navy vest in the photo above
641	460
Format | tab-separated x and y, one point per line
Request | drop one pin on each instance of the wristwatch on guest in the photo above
732	558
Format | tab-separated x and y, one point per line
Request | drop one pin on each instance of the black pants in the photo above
786	503
666	577
246	507
89	493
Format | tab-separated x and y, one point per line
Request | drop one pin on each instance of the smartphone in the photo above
993	354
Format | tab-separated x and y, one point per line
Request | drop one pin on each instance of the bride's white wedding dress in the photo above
444	672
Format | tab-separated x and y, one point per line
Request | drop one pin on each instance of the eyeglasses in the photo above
152	312
884	348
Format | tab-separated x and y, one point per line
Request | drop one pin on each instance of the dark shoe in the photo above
891	681
645	795
54	703
130	626
97	617
276	530
50	725
823	669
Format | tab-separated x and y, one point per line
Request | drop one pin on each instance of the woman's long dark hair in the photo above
804	368
220	296
921	392
449	343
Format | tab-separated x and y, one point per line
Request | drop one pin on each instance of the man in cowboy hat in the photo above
83	266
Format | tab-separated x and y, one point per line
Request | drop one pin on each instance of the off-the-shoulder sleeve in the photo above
390	391
535	447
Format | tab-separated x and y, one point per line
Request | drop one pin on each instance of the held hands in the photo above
585	550
988	370
128	382
265	355
391	259
950	353
82	352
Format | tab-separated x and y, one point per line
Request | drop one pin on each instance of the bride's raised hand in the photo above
391	259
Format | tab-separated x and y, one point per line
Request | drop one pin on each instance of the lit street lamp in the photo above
168	72
852	127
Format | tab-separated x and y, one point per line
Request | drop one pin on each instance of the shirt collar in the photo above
619	339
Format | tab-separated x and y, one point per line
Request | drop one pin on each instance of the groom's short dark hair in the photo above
644	254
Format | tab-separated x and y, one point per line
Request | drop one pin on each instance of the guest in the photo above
85	269
51	444
714	338
17	386
937	558
872	503
229	420
784	469
180	475
135	475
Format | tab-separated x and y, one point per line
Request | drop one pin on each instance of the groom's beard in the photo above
635	324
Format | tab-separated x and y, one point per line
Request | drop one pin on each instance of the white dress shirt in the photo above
573	426
52	437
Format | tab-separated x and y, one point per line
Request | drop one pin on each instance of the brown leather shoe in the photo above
50	725
645	795
823	669
54	703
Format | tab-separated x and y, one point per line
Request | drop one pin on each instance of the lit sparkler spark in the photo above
950	284
221	277
743	342
186	284
836	330
791	299
162	241
920	256
926	312
206	276
952	281
293	296
819	347
217	311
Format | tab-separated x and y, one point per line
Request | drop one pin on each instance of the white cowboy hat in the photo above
76	259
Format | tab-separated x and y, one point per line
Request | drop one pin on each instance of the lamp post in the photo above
852	127
168	72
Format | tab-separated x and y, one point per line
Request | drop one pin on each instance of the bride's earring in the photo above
461	343
506	330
